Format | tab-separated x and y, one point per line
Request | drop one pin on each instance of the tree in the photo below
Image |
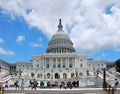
87	71
117	65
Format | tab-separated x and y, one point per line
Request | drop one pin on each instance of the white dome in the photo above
60	42
60	35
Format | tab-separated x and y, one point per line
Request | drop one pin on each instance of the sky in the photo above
26	27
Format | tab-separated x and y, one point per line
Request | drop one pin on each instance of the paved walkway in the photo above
59	91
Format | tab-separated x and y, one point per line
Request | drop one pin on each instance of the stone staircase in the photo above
5	78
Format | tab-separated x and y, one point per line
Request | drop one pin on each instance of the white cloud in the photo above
5	52
91	29
118	49
20	38
103	54
40	39
32	44
1	41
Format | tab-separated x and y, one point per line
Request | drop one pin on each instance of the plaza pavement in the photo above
59	91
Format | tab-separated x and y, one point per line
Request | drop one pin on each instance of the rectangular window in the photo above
59	65
70	66
47	66
54	65
64	65
81	65
37	65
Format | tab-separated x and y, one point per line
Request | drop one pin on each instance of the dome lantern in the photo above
60	26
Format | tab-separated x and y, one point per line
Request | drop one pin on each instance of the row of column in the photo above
51	61
60	50
12	69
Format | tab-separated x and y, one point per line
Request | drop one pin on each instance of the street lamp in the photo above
104	77
0	68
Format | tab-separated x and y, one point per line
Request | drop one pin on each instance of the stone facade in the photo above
59	62
96	65
4	68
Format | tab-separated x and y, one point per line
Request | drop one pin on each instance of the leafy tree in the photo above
117	65
87	71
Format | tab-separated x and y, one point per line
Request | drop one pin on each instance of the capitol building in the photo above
59	62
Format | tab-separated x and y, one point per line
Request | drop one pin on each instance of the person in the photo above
34	84
115	84
0	89
71	84
60	85
22	84
30	84
65	86
17	84
6	84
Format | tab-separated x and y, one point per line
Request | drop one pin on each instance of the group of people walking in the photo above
66	85
33	85
18	85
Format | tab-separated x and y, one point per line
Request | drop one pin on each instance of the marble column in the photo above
61	62
45	63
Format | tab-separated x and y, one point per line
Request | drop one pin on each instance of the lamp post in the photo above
0	68
104	77
76	71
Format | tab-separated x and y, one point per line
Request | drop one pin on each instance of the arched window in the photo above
72	75
64	75
80	74
44	76
57	76
39	75
48	75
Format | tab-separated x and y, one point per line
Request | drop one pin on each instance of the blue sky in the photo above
26	27
32	41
